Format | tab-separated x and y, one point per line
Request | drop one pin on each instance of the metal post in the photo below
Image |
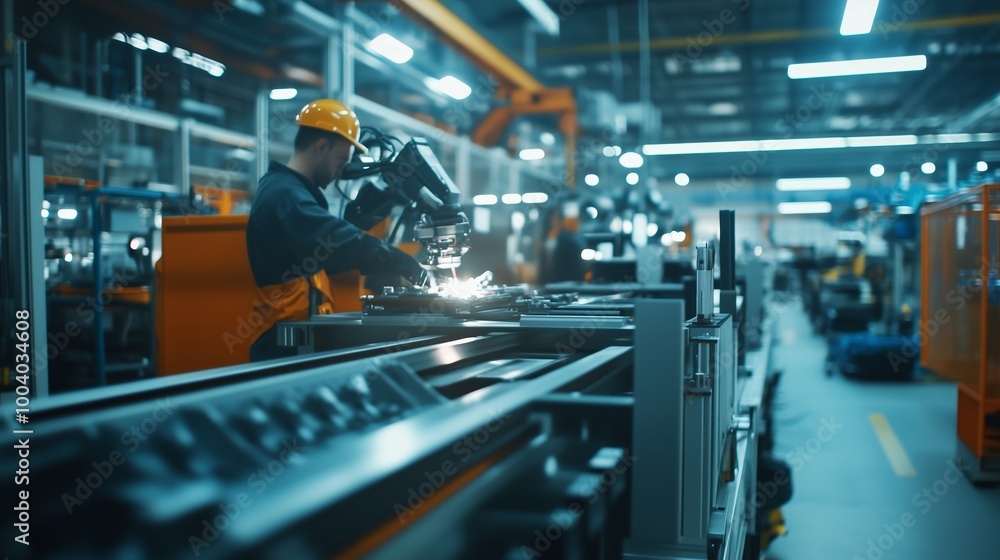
952	173
347	55
36	267
704	272
658	424
462	164
263	137
95	231
332	68
22	275
530	59
727	250
183	165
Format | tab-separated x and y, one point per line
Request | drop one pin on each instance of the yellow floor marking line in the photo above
892	447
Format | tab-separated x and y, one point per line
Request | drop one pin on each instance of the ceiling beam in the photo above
774	36
469	43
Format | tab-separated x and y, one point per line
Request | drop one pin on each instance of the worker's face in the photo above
331	157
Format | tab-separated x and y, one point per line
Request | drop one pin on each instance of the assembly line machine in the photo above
513	424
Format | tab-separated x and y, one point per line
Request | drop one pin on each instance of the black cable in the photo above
402	217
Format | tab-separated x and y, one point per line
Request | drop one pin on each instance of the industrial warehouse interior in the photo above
454	279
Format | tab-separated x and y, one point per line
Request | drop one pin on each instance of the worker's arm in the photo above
311	232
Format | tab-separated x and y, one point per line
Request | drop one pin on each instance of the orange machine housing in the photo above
960	309
205	294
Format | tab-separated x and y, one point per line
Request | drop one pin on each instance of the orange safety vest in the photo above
290	301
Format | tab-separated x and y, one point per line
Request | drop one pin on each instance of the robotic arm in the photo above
414	179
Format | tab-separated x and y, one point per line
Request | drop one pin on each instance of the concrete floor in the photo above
848	502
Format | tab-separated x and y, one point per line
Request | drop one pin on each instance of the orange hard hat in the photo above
332	116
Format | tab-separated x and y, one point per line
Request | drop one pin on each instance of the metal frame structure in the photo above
20	202
960	272
523	94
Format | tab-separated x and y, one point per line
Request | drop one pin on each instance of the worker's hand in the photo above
406	266
386	260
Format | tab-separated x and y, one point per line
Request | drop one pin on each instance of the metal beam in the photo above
775	36
468	42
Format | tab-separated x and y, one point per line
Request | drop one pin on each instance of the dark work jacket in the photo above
293	243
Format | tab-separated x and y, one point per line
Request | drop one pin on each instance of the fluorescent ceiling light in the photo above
813	184
953	138
531	154
391	48
630	160
249	6
632	178
283	93
609	151
588	254
213	67
66	213
592	180
982	167
682	179
449	85
138	41
859	17
879	141
651	229
702	148
157	45
534	198
785	144
511	198
45	213
543	14
857	67
547	138
678	236
877	170
723	109
484	199
805	207
928	168
142	43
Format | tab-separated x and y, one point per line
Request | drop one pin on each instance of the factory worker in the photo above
294	241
